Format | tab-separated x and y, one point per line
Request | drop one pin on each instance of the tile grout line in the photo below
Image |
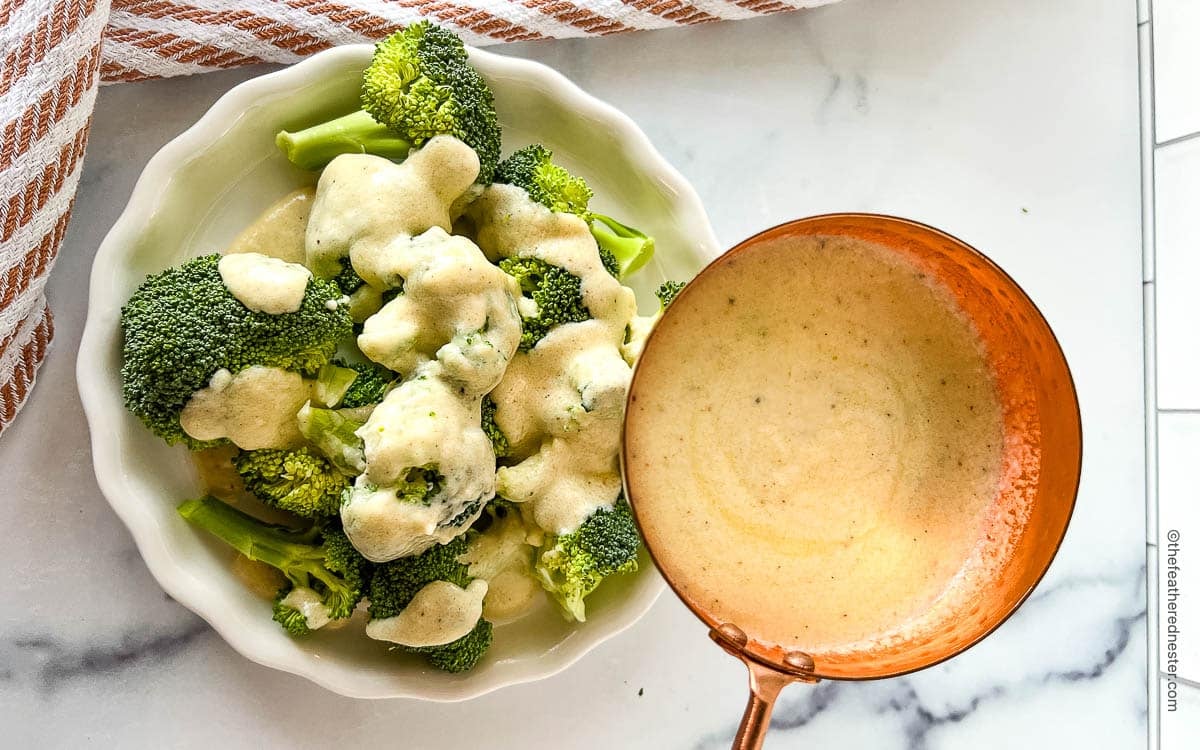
1177	139
1148	150
1180	680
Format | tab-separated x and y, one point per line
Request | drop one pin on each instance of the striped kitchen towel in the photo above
56	52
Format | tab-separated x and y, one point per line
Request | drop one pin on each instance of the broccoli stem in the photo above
355	133
291	552
631	247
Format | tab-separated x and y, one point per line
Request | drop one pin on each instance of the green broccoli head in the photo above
571	566
667	292
420	485
557	293
394	584
461	655
320	559
299	481
533	169
369	386
347	279
623	249
610	263
488	422
182	325
293	621
420	84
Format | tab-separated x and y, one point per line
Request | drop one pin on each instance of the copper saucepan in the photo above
1041	415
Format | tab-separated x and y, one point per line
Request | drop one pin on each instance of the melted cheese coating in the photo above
560	404
426	421
440	613
509	224
363	202
308	603
456	307
452	330
503	556
264	284
256	408
279	231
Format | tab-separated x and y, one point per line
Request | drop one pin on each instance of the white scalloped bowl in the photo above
194	196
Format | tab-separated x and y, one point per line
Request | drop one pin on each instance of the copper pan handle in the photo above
765	684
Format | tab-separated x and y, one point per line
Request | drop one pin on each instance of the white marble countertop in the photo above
1013	125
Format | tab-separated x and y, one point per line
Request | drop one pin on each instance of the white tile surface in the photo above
1146	109
1176	27
1148	290
1177	272
1152	672
1179	543
1180	727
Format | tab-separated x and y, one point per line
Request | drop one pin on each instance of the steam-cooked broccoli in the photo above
488	422
667	292
394	584
297	480
182	325
556	292
371	385
419	84
571	566
320	564
622	248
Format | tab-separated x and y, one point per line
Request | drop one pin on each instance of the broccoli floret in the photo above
610	263
334	435
298	481
556	292
667	292
623	249
394	584
319	559
347	279
488	422
419	85
182	325
463	654
371	385
571	566
419	485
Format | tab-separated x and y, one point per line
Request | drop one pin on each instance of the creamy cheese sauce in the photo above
452	331
264	284
308	603
256	408
815	451
509	224
456	307
363	202
503	556
426	421
278	231
560	404
440	613
639	328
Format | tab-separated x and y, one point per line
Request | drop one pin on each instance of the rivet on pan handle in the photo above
765	683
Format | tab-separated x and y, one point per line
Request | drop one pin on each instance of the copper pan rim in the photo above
1014	603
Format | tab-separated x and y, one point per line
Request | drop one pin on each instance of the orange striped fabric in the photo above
54	54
